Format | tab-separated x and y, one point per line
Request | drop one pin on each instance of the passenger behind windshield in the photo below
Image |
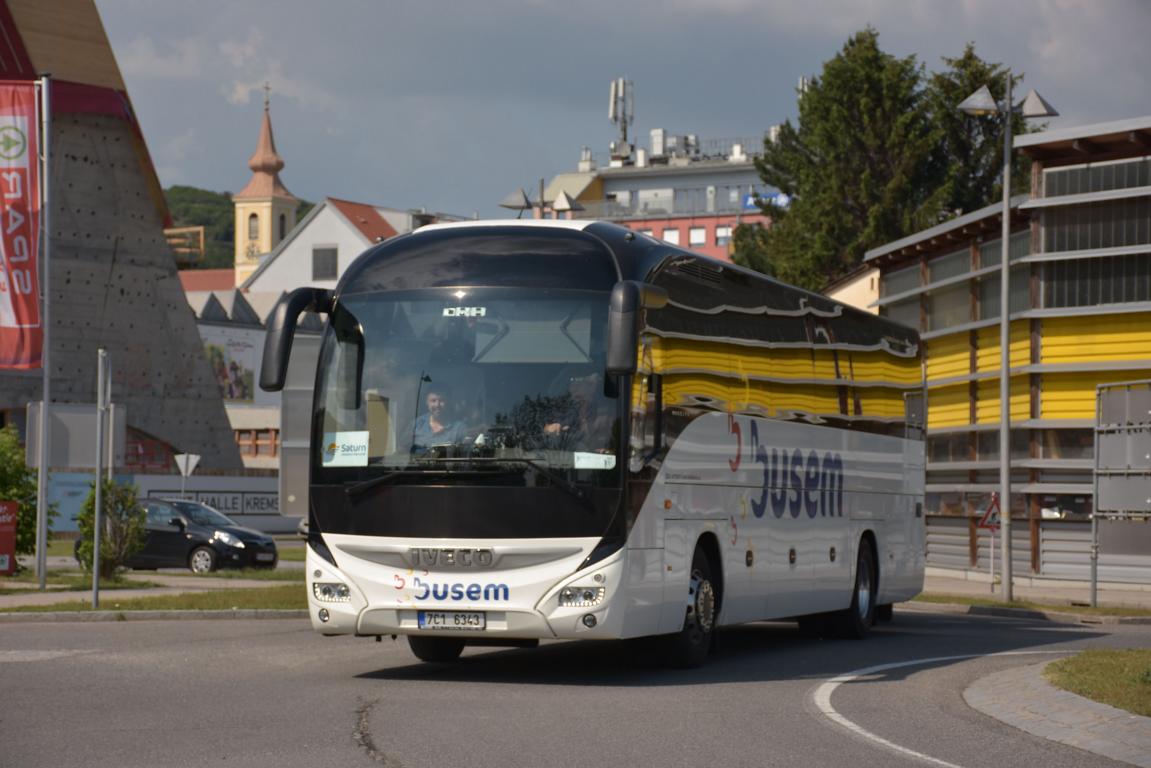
436	426
586	420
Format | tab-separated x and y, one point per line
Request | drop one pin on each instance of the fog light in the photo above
331	592
589	621
324	615
581	597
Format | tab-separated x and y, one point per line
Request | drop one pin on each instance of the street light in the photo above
983	103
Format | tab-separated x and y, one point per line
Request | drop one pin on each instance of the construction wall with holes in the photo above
113	281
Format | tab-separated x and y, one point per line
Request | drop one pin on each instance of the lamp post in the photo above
983	103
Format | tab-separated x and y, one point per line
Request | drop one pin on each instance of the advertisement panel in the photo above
234	354
21	331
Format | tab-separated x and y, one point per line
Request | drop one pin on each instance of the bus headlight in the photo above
581	597
331	592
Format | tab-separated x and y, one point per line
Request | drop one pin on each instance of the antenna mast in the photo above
621	111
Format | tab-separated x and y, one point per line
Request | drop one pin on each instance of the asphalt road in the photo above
272	693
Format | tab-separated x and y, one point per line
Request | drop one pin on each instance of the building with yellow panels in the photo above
1080	314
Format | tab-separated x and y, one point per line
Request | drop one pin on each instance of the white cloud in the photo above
181	60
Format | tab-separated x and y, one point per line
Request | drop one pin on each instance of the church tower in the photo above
265	209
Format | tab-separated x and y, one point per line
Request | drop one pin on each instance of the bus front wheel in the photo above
689	647
436	649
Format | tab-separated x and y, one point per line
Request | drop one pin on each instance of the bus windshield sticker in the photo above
345	449
593	460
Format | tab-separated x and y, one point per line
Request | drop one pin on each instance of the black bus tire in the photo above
436	649
856	621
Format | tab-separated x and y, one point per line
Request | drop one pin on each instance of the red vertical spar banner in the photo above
21	329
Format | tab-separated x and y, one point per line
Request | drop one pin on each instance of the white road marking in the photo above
12	656
822	698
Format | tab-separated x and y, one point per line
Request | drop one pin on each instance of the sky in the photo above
451	106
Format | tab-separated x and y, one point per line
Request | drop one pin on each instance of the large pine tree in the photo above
879	152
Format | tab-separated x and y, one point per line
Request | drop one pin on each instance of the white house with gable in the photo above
328	239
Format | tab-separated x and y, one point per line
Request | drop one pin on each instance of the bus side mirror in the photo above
628	297
281	330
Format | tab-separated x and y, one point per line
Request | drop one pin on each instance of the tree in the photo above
969	154
18	483
854	167
878	152
123	527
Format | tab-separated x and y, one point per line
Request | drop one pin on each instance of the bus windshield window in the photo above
466	376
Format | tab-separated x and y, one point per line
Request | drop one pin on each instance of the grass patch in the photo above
67	581
61	547
1103	610
1121	679
293	554
281	597
260	574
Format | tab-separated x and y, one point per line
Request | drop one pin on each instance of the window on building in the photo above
253	227
1066	443
671	235
900	280
325	263
944	448
647	232
1111	224
948	307
1088	282
1100	177
283	226
722	235
697	236
989	292
258	442
949	265
906	312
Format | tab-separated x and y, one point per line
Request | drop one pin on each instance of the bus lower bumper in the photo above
511	624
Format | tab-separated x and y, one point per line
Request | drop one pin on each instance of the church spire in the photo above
266	163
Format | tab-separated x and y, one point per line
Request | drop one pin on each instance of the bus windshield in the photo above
468	379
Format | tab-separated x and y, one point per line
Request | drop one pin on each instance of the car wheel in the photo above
202	560
436	649
689	647
856	621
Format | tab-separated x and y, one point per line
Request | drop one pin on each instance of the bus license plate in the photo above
462	620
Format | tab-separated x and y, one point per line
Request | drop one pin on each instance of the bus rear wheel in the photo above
856	621
689	647
436	649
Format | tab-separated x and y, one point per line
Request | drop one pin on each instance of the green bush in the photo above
18	484
122	520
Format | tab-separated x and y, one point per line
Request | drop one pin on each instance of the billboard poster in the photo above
21	331
233	355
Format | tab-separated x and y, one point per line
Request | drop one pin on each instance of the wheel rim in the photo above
863	590
201	561
700	605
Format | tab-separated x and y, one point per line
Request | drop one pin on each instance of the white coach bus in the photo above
528	430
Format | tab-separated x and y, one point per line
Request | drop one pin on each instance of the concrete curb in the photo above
1061	617
31	617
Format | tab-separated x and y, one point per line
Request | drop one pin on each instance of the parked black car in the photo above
182	533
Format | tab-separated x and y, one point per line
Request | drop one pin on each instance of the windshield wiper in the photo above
364	486
557	479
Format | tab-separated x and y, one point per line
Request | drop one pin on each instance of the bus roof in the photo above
576	225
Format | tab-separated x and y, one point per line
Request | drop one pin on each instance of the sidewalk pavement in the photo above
1020	697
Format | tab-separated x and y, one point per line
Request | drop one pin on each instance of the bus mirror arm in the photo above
282	328
628	298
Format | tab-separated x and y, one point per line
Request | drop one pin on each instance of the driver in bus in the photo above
435	427
587	422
